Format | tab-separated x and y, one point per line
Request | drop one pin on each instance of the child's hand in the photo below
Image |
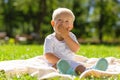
62	30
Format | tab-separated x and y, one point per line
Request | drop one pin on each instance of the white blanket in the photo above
37	66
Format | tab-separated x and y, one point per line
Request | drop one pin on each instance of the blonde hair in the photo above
59	11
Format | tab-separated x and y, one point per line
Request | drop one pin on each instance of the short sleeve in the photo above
73	37
48	46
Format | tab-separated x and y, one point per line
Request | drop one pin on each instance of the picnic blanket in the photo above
38	66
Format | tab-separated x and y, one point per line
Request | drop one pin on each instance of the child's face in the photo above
65	20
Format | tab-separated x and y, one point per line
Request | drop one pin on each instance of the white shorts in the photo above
73	64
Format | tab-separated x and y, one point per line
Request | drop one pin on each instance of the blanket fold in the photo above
38	66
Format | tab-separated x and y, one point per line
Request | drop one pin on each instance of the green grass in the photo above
100	51
10	52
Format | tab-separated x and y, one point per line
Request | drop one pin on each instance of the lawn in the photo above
10	52
100	51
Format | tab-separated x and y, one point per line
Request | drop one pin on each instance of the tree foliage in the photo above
99	19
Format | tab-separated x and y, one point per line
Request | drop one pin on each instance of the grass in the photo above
100	51
10	52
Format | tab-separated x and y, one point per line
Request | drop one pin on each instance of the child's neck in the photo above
58	37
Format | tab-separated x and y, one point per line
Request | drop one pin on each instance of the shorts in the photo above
73	64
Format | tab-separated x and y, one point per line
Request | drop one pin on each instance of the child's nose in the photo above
61	22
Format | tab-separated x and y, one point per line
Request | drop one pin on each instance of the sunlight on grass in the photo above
99	51
8	52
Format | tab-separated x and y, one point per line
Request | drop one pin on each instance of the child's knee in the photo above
80	69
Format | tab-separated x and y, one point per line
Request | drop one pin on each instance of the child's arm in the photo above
51	58
71	43
74	46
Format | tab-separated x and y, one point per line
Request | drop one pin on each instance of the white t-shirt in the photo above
59	48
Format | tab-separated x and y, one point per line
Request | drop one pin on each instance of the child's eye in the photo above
59	19
66	21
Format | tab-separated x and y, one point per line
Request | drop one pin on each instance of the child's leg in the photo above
77	66
64	67
80	69
101	64
54	66
70	67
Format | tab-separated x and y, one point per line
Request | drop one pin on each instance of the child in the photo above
60	47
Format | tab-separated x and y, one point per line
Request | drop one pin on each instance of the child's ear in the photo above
52	23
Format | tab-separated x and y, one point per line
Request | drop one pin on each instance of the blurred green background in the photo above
28	21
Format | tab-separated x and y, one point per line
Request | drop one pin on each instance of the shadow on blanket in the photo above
37	66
